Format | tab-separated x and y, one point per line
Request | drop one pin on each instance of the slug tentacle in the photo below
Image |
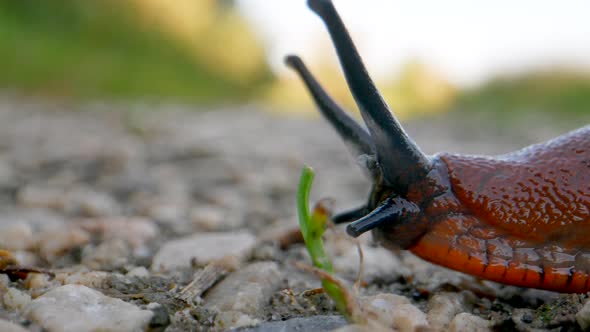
350	215
355	136
393	211
401	161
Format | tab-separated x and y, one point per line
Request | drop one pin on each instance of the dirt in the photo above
77	170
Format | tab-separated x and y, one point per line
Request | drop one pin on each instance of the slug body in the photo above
521	219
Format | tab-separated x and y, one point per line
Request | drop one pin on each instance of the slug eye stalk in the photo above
391	158
356	138
399	158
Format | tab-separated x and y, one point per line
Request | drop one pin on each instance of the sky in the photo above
466	41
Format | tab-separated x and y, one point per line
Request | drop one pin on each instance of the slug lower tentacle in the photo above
521	219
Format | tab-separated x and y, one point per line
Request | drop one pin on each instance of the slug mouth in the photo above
387	154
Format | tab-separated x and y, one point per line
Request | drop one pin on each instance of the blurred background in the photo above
503	58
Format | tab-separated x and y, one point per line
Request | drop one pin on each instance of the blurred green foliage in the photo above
562	92
96	49
203	51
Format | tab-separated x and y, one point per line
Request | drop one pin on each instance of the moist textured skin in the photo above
521	219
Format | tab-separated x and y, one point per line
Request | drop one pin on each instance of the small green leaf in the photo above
312	228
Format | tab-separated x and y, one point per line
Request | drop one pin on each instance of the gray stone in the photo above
314	323
247	289
109	255
583	316
378	263
466	322
203	248
243	295
7	326
443	307
134	230
15	299
16	235
78	308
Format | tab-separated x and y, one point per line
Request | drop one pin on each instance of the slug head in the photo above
403	177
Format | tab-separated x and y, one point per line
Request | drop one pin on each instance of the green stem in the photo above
312	228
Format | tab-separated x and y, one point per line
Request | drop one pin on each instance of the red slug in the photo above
521	219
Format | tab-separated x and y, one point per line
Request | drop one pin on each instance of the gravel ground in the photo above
116	218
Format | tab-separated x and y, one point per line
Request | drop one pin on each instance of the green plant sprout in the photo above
312	227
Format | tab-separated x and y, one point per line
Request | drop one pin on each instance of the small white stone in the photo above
443	307
139	271
378	262
4	282
363	328
79	308
246	290
109	255
16	236
466	322
15	299
41	197
135	231
6	171
54	243
408	318
429	276
7	326
26	258
207	218
203	248
39	283
383	304
583	316
234	319
94	279
393	311
90	203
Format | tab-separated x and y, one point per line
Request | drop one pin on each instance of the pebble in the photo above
15	299
160	317
378	263
26	258
466	322
443	307
56	242
408	318
138	271
431	277
4	282
8	326
234	319
383	304
244	293
134	230
16	236
6	172
87	202
208	219
583	316
41	197
179	253
94	279
107	256
78	201
394	311
7	258
313	323
363	328
40	283
92	310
